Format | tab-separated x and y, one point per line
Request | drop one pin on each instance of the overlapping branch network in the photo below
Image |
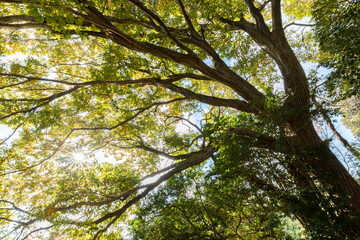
250	100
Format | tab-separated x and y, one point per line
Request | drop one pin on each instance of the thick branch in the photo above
17	18
126	21
262	7
24	26
192	161
193	32
277	27
166	83
245	26
125	195
255	12
12	1
18	22
214	101
162	25
108	30
276	46
45	101
243	88
170	79
230	78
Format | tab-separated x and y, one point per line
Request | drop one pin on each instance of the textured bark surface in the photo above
301	134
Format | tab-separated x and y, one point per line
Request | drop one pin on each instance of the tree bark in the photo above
302	136
316	156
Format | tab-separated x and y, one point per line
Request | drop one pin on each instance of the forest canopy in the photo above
179	119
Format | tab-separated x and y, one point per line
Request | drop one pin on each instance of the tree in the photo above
119	76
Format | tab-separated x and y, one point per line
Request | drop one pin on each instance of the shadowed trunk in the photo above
316	157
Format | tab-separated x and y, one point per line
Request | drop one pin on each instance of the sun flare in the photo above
79	156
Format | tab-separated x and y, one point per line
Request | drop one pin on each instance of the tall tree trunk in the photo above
302	135
334	184
315	156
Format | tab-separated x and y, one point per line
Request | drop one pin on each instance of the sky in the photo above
5	132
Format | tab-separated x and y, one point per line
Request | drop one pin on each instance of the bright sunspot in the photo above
79	156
